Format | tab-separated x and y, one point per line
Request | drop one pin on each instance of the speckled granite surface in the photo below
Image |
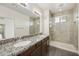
9	49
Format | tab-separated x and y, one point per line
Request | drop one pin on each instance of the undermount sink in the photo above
22	43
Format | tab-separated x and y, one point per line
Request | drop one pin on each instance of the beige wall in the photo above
46	22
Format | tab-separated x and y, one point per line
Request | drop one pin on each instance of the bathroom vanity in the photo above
31	46
38	49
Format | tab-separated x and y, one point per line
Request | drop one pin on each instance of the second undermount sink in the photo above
22	43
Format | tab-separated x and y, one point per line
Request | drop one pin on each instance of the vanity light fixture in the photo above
25	5
35	11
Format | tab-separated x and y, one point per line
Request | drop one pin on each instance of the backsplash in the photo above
17	38
8	40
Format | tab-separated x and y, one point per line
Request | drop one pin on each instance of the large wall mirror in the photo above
15	24
10	27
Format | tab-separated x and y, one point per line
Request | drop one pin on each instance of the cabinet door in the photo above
45	46
37	52
44	49
28	52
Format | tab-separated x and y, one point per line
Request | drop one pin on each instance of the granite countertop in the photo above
9	49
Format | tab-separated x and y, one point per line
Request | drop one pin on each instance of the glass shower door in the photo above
60	29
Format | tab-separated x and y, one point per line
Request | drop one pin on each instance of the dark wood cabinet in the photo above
45	46
37	52
39	49
28	52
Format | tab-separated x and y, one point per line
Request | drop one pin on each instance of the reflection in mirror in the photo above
27	27
6	28
21	27
34	26
2	26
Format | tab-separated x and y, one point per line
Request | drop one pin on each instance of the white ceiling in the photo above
17	7
53	7
56	7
